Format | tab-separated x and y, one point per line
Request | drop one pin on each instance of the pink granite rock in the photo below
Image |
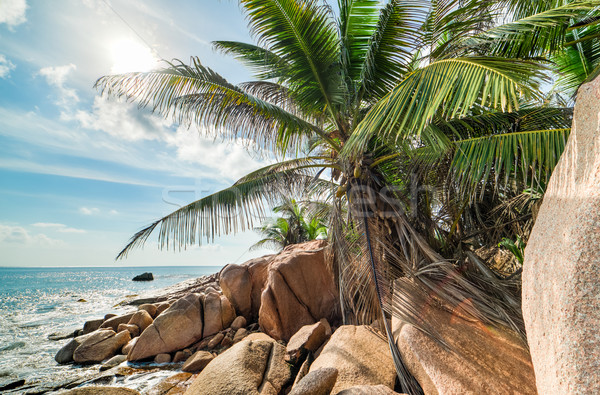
561	274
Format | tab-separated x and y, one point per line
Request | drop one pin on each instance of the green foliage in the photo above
516	247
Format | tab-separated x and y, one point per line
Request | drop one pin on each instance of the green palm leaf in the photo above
265	63
447	88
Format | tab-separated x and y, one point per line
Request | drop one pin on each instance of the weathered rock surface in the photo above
361	357
289	300
144	277
482	361
173	385
239	322
100	345
216	340
240	334
182	356
243	285
308	338
218	313
368	390
127	347
132	329
249	367
162	358
561	274
174	329
317	382
197	362
114	361
150	308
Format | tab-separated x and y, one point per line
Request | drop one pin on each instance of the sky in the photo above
80	173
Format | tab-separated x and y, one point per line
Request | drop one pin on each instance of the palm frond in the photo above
228	211
264	63
304	36
197	95
447	88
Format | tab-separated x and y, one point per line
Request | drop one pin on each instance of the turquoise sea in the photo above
35	302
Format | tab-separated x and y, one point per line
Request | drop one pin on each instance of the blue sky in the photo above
79	174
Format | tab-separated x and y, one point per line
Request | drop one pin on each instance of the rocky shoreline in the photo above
273	326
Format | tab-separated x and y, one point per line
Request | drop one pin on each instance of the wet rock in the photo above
11	385
62	335
142	319
92	325
181	356
239	322
308	338
100	345
144	277
561	274
100	390
132	329
150	308
176	328
82	300
317	382
249	367
361	357
480	360
162	358
197	362
113	322
289	300
112	362
65	354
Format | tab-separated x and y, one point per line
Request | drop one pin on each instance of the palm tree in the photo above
295	226
413	119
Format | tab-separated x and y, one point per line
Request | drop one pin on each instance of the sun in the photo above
129	55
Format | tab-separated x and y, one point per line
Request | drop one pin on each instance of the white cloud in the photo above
113	212
12	12
5	67
57	77
229	160
89	211
19	235
122	120
62	228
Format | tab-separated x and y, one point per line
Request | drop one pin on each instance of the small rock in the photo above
114	361
317	382
113	322
162	307
82	300
144	277
227	341
238	323
253	327
11	385
61	336
309	337
150	308
126	348
182	355
142	319
215	341
65	354
109	316
162	358
92	325
132	329
240	334
197	362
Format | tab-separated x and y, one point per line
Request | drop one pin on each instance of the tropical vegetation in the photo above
429	128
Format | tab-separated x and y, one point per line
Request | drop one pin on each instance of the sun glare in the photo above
129	55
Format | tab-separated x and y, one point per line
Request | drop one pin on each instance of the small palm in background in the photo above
296	225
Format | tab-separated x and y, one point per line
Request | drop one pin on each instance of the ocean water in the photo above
35	302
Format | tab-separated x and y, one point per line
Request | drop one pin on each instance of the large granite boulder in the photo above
317	382
478	360
65	354
361	356
561	273
176	328
249	367
100	345
218	313
243	285
300	290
